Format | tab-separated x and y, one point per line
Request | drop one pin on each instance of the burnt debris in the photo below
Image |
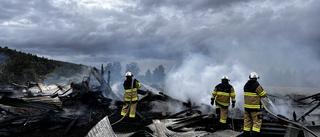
82	109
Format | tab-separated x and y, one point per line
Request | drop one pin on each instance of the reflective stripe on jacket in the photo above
127	87
222	94
253	92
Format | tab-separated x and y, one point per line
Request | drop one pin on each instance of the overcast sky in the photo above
256	34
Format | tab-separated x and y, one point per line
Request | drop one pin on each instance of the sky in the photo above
197	41
259	34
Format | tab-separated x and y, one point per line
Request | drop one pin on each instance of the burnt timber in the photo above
81	109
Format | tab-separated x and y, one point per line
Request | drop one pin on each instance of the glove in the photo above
233	104
212	102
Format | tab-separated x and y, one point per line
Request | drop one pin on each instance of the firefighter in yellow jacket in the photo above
253	92
221	96
130	95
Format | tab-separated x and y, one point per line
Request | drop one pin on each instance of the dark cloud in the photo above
10	8
188	5
272	32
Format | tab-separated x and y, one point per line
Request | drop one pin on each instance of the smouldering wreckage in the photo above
82	109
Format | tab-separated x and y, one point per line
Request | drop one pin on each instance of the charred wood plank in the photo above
104	84
70	125
21	103
181	112
289	121
302	118
315	96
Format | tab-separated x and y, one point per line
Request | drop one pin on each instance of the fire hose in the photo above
232	120
289	121
128	106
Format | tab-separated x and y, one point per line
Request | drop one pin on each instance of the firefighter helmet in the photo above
253	75
129	74
225	77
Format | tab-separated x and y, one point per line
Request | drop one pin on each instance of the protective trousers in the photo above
223	113
132	108
252	120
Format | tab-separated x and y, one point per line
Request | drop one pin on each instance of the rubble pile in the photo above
82	109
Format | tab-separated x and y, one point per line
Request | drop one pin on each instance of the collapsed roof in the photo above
82	109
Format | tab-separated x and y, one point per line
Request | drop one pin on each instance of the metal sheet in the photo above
102	129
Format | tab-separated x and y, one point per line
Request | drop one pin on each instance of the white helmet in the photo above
129	74
253	75
225	77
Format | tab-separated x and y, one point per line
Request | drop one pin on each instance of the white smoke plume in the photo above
283	100
198	75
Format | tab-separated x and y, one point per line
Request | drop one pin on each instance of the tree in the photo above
133	67
115	70
108	67
18	67
158	74
148	76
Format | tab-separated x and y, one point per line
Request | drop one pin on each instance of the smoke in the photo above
283	100
115	87
198	75
65	73
171	107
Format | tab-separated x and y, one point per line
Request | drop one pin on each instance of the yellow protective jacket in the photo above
252	95
127	88
222	94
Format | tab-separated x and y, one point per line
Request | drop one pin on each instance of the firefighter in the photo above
253	92
130	95
221	96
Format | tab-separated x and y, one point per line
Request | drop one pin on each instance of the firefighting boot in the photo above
255	134
244	134
223	126
247	134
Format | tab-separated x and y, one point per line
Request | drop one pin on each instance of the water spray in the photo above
270	102
232	119
152	89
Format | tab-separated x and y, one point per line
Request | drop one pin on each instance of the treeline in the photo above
157	75
18	67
